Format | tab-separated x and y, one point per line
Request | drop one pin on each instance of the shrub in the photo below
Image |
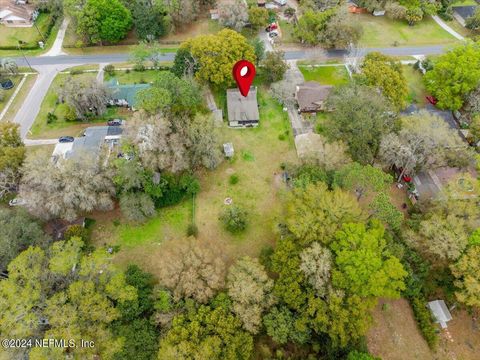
51	117
192	230
77	231
139	67
233	179
109	69
70	114
76	72
424	321
234	219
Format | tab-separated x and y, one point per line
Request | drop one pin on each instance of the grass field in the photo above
325	75
416	87
22	94
133	77
9	36
258	155
381	31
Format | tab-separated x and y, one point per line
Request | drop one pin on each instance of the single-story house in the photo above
17	13
242	111
440	312
462	13
92	141
311	96
125	95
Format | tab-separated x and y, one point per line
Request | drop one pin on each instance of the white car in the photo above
17	202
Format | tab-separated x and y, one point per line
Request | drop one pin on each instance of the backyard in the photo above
416	87
9	36
381	31
259	153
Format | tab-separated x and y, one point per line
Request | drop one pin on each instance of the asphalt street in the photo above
289	55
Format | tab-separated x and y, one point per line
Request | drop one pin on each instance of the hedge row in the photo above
424	321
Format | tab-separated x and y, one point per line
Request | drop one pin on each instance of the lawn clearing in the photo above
60	127
416	87
287	32
22	94
325	75
133	77
381	31
199	27
9	36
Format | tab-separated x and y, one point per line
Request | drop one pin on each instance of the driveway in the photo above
56	49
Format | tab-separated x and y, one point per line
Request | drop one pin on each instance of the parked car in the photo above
273	33
17	202
7	84
66	139
271	27
431	100
115	122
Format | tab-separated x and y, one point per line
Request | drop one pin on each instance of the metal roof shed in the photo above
440	312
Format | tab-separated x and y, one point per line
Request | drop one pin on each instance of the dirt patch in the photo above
395	335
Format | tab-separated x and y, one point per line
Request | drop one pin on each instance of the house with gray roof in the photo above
440	312
242	111
124	94
311	96
93	140
462	13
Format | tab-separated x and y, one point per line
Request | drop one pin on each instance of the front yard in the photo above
7	94
9	36
325	75
380	31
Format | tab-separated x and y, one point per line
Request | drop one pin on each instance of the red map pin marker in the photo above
244	73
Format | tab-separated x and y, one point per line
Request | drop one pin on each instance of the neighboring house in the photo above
94	139
462	13
440	312
242	111
214	14
280	2
125	95
17	13
311	96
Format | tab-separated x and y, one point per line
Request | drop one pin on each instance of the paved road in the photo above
289	55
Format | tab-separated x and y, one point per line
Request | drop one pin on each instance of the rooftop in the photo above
311	95
9	10
126	92
465	11
242	108
440	312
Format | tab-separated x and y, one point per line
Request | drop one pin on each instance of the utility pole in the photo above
20	42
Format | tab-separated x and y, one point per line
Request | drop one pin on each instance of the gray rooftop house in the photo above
242	111
440	312
462	13
91	142
125	94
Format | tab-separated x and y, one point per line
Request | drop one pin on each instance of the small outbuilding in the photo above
440	312
228	150
311	96
242	111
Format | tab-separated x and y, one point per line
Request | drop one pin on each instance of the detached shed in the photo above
440	312
228	150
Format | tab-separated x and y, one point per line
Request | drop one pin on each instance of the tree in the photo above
8	66
66	188
340	32
206	333
454	75
395	11
473	22
233	15
362	180
316	264
425	141
279	323
216	54
258	17
153	100
18	231
467	276
250	289
315	213
184	64
150	19
76	295
204	139
12	155
137	206
234	218
87	98
192	269
182	12
472	103
317	150
362	118
357	355
385	211
274	66
311	25
101	21
379	275
258	48
386	74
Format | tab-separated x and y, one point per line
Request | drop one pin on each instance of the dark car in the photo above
115	122
7	84
66	139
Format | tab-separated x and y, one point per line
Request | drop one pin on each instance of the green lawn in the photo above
133	77
18	101
9	36
416	87
381	31
287	32
61	127
325	75
7	94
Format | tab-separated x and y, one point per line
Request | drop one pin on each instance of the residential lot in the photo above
10	36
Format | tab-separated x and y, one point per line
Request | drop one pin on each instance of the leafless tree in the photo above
233	15
354	57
